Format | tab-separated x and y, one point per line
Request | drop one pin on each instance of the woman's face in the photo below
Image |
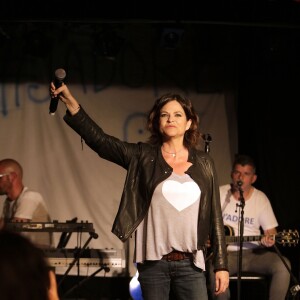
173	121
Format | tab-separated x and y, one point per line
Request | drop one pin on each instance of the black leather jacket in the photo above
146	168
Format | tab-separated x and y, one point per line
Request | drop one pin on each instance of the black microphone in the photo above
239	183
60	75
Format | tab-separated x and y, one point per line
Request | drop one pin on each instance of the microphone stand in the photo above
207	139
241	233
295	288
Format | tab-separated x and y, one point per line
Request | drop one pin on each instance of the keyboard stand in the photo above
105	268
93	235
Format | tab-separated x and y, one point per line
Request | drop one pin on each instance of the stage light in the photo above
171	37
135	288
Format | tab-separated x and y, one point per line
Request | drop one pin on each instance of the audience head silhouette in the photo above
24	272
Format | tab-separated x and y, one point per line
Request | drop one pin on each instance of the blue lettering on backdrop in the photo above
131	68
34	87
3	101
31	96
129	120
135	66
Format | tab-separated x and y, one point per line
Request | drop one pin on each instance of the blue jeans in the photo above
182	278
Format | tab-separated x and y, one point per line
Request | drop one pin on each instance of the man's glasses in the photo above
5	174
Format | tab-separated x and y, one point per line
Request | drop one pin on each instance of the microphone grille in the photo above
60	74
240	183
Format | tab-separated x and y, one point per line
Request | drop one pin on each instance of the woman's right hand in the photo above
64	95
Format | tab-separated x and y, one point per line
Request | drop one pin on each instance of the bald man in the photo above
22	204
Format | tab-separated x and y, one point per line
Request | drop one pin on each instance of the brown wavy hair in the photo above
192	135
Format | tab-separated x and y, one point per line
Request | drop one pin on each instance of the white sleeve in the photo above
267	217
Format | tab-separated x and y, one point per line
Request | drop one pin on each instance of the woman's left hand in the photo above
222	281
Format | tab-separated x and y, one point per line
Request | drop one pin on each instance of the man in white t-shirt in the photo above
22	204
258	215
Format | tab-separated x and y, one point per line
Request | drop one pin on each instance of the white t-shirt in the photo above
30	205
171	223
258	213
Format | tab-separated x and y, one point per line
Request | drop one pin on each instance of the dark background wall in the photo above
267	119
